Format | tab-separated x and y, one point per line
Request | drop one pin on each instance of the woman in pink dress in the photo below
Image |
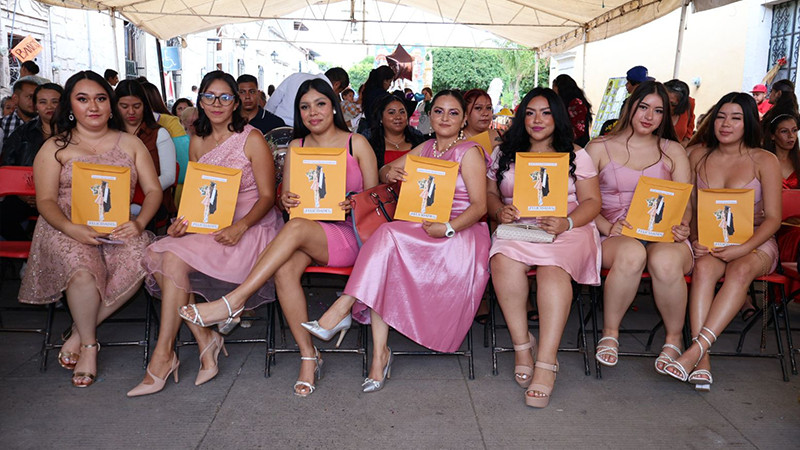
424	280
730	159
98	278
542	125
304	242
182	266
642	144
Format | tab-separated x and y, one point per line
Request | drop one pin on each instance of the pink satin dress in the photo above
770	247
55	257
426	288
342	243
217	268
618	183
577	251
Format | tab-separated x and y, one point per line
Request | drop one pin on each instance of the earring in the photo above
71	117
334	112
461	135
111	115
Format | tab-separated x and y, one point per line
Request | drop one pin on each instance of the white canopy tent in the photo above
549	26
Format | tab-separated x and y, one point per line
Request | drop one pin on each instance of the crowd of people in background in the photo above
411	277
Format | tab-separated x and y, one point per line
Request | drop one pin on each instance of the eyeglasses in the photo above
224	99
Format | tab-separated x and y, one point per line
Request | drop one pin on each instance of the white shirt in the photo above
281	103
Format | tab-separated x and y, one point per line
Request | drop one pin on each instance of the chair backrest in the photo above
16	180
790	203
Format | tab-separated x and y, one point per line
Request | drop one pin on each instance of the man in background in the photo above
111	76
281	102
257	116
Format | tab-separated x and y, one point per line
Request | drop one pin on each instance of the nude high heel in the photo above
217	343
158	383
524	374
541	402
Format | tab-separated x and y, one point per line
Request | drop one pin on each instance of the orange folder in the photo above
319	177
101	195
427	193
724	216
484	141
209	197
541	184
657	205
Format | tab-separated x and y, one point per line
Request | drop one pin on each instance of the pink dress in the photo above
618	183
426	288
770	247
56	257
342	243
576	251
219	268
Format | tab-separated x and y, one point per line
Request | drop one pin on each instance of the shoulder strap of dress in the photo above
303	141
119	136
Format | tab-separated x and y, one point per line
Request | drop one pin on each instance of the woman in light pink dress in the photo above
303	242
542	125
181	266
730	159
98	278
424	280
643	143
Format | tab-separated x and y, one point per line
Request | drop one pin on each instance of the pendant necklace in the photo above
396	144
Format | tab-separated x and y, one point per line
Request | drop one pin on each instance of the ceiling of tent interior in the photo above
551	26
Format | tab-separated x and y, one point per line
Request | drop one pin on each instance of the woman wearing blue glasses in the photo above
181	266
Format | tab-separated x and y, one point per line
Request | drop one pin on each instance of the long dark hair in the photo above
769	144
377	76
61	123
516	138
131	88
377	135
202	125
677	86
752	131
154	97
568	90
786	104
300	129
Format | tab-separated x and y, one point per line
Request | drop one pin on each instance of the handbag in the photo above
372	208
523	232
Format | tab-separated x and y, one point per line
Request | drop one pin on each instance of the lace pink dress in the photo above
217	268
577	251
426	288
55	257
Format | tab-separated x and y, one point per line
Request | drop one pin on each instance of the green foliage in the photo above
475	68
323	65
360	71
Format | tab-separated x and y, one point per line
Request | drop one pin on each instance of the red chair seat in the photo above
15	249
344	271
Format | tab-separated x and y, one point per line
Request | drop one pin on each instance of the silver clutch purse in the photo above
523	232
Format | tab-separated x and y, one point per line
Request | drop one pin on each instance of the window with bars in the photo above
785	39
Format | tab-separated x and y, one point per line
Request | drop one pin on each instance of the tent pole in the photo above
583	60
677	67
535	69
113	17
161	71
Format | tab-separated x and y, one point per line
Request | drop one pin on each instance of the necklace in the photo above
437	153
93	148
396	144
220	141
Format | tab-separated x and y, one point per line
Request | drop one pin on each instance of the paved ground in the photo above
428	403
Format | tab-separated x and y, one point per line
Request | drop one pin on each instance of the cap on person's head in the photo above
759	88
638	74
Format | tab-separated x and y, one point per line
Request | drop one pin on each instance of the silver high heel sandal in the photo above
326	335
370	385
683	375
317	375
225	326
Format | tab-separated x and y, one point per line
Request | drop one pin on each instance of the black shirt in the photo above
21	147
265	121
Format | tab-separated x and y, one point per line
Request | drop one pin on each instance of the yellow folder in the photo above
319	177
484	141
657	205
101	195
209	197
724	216
541	184
427	193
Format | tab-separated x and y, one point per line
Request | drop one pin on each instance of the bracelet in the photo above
569	219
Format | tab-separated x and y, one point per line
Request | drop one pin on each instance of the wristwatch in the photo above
450	231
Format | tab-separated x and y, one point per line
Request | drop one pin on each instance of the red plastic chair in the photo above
15	180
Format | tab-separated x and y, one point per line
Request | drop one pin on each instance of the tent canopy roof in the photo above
550	26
